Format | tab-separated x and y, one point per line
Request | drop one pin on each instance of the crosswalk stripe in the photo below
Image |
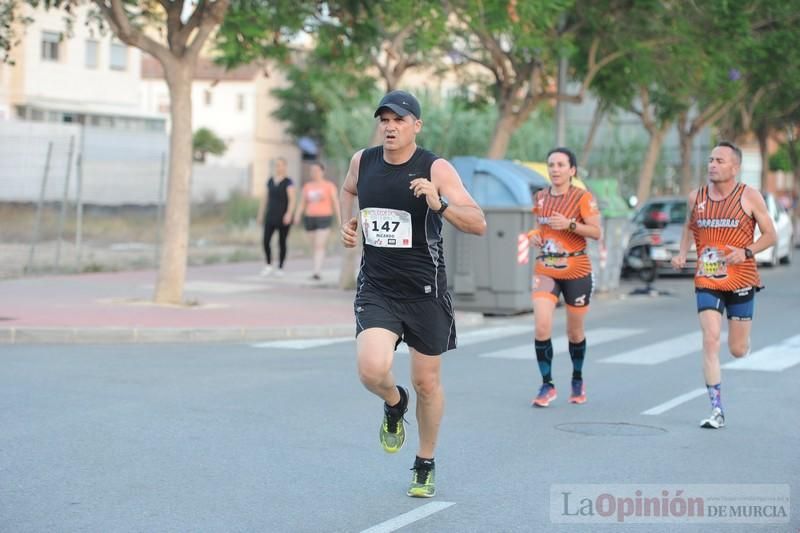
410	517
561	344
481	335
301	344
464	339
660	352
683	398
773	358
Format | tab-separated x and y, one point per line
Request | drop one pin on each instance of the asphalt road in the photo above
281	437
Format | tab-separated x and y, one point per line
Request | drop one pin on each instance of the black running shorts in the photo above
426	325
315	223
577	292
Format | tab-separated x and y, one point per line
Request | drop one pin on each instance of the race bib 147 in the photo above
386	228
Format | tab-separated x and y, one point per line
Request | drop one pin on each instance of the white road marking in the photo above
301	344
410	517
481	335
773	358
660	352
464	339
561	344
683	398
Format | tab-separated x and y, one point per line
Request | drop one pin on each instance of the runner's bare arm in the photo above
347	197
292	195
298	215
590	227
262	206
753	200
462	212
337	212
679	261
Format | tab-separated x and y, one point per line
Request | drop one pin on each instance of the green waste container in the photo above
606	254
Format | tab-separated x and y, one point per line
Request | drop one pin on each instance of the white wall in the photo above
222	115
751	168
68	84
119	167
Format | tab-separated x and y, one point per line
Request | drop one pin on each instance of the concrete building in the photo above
83	77
237	106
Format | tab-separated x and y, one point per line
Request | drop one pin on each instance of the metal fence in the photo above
64	168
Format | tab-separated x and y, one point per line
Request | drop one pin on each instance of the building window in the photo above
207	98
240	102
51	42
92	48
119	56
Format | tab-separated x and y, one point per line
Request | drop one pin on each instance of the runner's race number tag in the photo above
386	228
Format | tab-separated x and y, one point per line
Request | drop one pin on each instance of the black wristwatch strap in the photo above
445	205
748	253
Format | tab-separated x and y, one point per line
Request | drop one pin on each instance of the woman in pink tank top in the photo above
319	203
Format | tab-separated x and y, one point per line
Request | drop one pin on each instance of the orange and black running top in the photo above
563	254
716	225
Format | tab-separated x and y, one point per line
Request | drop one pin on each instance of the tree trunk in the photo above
763	136
175	232
597	118
503	130
650	161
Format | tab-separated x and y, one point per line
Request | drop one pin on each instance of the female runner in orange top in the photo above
566	216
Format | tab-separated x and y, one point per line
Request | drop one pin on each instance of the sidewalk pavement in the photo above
226	302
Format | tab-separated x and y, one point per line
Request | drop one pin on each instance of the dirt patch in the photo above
121	238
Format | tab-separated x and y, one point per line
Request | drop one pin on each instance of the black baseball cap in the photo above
400	102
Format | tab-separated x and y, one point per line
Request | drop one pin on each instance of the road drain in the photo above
611	429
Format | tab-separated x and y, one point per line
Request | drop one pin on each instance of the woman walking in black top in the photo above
275	212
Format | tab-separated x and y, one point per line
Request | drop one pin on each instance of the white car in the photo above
782	251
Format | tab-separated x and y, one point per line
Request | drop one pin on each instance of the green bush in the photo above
780	160
240	210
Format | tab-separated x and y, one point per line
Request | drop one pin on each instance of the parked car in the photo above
782	251
655	231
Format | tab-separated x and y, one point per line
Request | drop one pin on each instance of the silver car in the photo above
781	252
657	225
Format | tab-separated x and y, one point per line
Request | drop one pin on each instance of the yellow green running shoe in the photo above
423	482
392	432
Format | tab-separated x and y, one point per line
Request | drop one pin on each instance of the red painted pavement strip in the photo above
121	300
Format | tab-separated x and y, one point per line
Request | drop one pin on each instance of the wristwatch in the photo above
573	225
748	253
444	206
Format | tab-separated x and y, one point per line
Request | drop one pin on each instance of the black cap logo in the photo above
400	102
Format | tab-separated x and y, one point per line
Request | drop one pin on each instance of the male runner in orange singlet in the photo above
722	216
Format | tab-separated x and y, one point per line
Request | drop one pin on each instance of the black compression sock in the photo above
577	351
544	356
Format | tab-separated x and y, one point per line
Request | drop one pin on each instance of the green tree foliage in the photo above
647	81
382	40
781	160
204	142
312	91
519	45
357	47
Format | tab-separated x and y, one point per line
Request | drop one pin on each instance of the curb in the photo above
101	335
113	335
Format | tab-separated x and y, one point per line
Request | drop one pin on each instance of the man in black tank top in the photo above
404	194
